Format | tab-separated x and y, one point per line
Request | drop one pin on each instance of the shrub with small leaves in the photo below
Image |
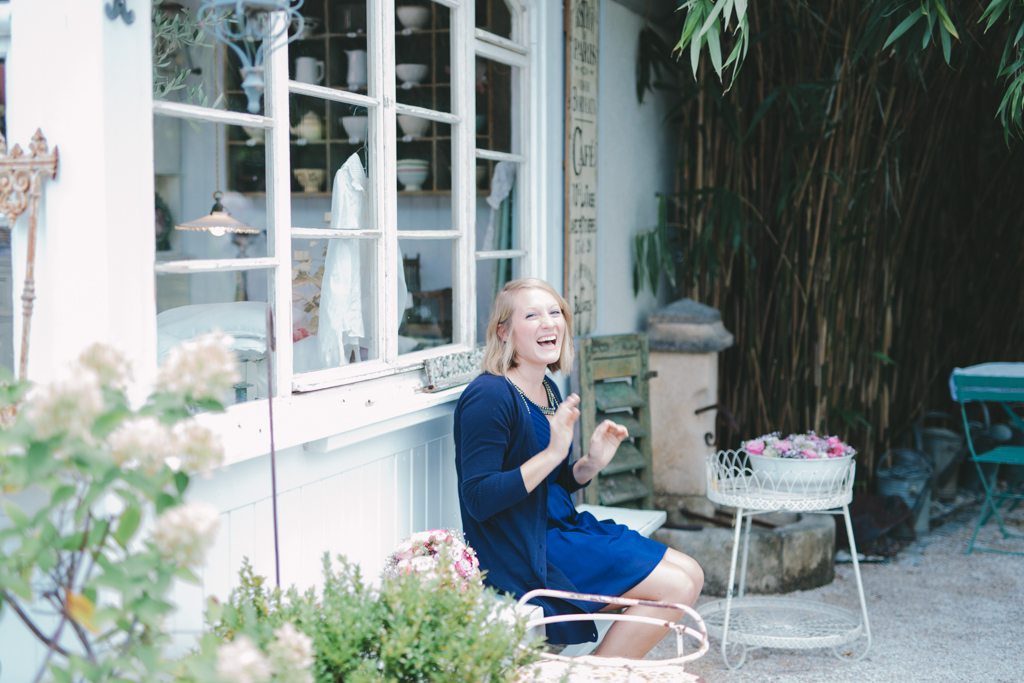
80	470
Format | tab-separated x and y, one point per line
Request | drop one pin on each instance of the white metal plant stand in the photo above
741	622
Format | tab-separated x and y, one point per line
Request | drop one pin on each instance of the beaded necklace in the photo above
545	410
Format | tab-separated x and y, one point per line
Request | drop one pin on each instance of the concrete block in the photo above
791	557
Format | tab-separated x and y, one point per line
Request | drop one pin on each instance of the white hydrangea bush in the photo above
105	466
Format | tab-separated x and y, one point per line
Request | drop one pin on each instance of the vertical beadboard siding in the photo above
359	501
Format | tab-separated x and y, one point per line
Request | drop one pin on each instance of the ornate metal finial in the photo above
21	186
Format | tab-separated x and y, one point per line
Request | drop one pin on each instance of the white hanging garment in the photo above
342	326
347	295
501	184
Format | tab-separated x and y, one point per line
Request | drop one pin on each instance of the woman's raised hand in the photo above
605	441
562	425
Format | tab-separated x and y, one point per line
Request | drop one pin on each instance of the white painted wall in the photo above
359	500
636	159
92	99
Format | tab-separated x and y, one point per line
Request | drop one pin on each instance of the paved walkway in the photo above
936	615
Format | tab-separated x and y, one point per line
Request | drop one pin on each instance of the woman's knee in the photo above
688	565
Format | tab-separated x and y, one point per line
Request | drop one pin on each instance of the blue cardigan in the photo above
507	526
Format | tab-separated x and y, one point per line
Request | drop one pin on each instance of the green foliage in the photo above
706	24
411	630
850	206
73	553
174	32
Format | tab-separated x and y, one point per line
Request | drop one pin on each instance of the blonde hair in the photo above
500	356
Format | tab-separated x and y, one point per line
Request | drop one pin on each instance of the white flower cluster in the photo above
109	364
68	405
198	449
204	367
241	661
184	533
145	443
291	655
290	659
142	443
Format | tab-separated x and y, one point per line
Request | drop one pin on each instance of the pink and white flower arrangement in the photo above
807	446
435	554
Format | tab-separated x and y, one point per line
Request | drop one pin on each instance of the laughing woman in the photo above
513	438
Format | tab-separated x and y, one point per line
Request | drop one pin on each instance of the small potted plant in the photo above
799	463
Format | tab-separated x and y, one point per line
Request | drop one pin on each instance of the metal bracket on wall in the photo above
21	186
119	8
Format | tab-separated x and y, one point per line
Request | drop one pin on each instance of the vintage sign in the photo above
581	161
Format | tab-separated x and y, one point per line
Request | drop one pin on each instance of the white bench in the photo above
644	522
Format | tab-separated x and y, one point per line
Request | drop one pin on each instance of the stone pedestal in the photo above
685	338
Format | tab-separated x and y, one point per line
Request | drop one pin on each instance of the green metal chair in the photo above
1001	390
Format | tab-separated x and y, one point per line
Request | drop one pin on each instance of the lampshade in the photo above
218	222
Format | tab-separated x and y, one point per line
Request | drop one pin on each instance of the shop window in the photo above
382	175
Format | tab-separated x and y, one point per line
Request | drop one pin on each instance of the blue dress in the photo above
598	557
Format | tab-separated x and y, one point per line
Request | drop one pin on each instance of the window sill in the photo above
328	418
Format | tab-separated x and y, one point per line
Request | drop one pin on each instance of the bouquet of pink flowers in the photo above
807	446
435	554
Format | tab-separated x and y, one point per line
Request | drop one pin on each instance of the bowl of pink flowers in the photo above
800	463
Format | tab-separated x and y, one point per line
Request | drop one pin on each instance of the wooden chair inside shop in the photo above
430	316
614	384
1001	390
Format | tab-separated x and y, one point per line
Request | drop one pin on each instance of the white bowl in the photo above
413	125
412	179
355	126
412	16
257	134
411	73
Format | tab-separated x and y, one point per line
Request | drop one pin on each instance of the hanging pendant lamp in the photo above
218	222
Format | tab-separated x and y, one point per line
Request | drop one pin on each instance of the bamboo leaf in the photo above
705	30
904	26
947	47
638	261
882	357
994	11
946	21
695	54
762	109
716	51
928	31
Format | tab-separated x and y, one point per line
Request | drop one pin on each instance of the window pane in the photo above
423	55
497	103
193	304
424	174
332	50
335	302
324	135
193	162
497	206
491	276
428	313
204	72
494	16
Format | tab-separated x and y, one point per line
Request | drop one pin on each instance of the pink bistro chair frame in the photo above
700	633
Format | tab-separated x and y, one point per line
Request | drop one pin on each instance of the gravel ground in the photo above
936	614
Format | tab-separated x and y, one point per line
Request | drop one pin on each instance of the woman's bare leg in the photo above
676	579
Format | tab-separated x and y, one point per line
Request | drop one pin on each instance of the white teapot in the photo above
310	127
